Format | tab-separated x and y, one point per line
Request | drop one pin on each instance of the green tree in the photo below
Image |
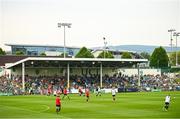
126	55
2	52
172	58
43	54
159	58
105	54
19	53
145	55
84	53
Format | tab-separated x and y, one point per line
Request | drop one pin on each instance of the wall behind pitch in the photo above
62	71
130	72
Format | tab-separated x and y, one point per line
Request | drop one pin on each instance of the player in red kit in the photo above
80	91
58	104
49	89
65	93
87	94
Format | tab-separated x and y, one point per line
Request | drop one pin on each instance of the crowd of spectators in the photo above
49	84
5	85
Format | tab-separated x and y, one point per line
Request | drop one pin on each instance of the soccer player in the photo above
80	91
167	102
113	91
65	94
49	89
98	91
58	104
30	91
87	94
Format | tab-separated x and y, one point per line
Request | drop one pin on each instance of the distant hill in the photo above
140	48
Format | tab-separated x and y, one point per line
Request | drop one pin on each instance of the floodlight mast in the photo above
105	43
176	34
68	25
171	39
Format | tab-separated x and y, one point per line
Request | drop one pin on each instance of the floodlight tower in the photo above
171	39
105	43
176	34
68	25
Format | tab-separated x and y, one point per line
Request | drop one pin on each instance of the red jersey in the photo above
58	101
65	91
87	92
80	90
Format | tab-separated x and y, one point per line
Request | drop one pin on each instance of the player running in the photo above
80	91
65	94
167	102
98	91
50	87
58	104
113	91
87	94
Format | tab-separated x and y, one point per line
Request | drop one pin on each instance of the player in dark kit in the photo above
98	91
65	94
58	104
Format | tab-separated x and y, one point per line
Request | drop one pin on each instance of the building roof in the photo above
113	50
137	56
65	60
35	45
13	58
10	59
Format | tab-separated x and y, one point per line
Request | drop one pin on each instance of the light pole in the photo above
105	43
139	83
64	25
176	34
171	33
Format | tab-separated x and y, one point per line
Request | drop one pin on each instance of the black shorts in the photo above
58	107
167	103
87	96
113	95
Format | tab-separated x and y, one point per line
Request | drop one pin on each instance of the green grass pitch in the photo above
127	105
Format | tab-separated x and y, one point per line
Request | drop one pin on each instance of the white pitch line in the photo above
28	110
47	108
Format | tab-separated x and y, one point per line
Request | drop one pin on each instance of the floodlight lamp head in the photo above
59	24
64	24
178	33
171	30
69	25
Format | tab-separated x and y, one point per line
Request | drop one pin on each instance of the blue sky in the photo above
142	22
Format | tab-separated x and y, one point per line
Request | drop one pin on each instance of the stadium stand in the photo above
43	84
